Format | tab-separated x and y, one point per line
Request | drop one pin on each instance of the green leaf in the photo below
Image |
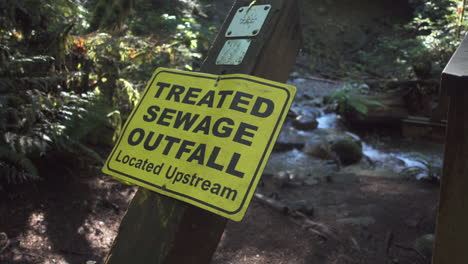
373	102
358	106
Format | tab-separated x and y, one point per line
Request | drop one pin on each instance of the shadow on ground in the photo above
70	217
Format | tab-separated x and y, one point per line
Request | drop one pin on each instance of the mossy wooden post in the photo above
159	229
451	245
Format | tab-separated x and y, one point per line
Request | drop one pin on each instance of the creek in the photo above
384	155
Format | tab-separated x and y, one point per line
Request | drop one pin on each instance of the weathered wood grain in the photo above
451	244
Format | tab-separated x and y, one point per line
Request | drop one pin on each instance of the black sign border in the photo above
281	117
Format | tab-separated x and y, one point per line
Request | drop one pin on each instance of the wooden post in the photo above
451	245
159	229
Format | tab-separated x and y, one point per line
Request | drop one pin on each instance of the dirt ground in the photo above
64	219
371	220
74	219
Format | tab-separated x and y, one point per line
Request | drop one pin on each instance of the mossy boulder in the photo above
340	146
347	149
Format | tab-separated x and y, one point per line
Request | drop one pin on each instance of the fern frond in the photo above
18	167
358	106
373	102
88	151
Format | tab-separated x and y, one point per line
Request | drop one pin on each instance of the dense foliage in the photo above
421	48
414	56
71	71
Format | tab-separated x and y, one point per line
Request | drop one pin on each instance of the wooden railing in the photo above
451	245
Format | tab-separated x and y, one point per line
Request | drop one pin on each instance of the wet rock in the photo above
316	102
280	179
319	150
289	139
364	221
307	110
303	167
286	146
391	162
287	179
292	114
305	123
343	147
347	149
311	111
424	245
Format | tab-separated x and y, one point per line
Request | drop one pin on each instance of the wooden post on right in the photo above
451	243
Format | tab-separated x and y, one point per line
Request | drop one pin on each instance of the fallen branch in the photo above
315	227
275	204
297	217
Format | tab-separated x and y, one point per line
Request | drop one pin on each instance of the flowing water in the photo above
395	154
389	155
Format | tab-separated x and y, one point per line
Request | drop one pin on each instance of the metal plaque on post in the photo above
248	21
233	52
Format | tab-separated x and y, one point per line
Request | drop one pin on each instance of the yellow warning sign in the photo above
202	138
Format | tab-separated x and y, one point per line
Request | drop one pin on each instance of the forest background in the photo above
72	70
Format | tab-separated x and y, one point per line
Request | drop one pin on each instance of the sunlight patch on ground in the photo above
36	220
34	236
253	256
35	240
99	234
